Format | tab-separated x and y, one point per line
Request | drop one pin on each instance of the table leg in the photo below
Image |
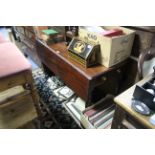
118	118
47	70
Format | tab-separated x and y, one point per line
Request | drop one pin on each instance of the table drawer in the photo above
18	111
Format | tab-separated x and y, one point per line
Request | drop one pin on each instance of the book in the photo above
106	125
88	125
101	114
112	33
85	122
104	119
49	32
99	106
95	110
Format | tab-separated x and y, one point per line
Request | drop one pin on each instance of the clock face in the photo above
79	47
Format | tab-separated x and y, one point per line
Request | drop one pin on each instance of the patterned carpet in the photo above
54	115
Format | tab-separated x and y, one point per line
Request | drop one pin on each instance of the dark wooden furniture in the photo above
144	39
125	117
144	42
90	84
144	46
146	55
27	35
70	32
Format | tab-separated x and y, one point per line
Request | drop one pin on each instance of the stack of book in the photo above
52	36
99	116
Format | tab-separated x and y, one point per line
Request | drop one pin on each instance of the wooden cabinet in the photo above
16	108
27	36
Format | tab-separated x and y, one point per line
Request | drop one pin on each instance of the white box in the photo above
113	49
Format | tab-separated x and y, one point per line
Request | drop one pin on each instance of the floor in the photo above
33	64
5	33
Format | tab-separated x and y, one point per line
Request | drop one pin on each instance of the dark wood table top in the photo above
90	73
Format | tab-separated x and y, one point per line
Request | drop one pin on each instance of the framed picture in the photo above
66	92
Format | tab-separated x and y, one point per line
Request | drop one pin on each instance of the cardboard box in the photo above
113	49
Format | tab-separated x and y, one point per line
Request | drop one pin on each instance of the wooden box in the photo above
83	52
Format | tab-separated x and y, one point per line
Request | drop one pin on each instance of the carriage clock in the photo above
83	52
